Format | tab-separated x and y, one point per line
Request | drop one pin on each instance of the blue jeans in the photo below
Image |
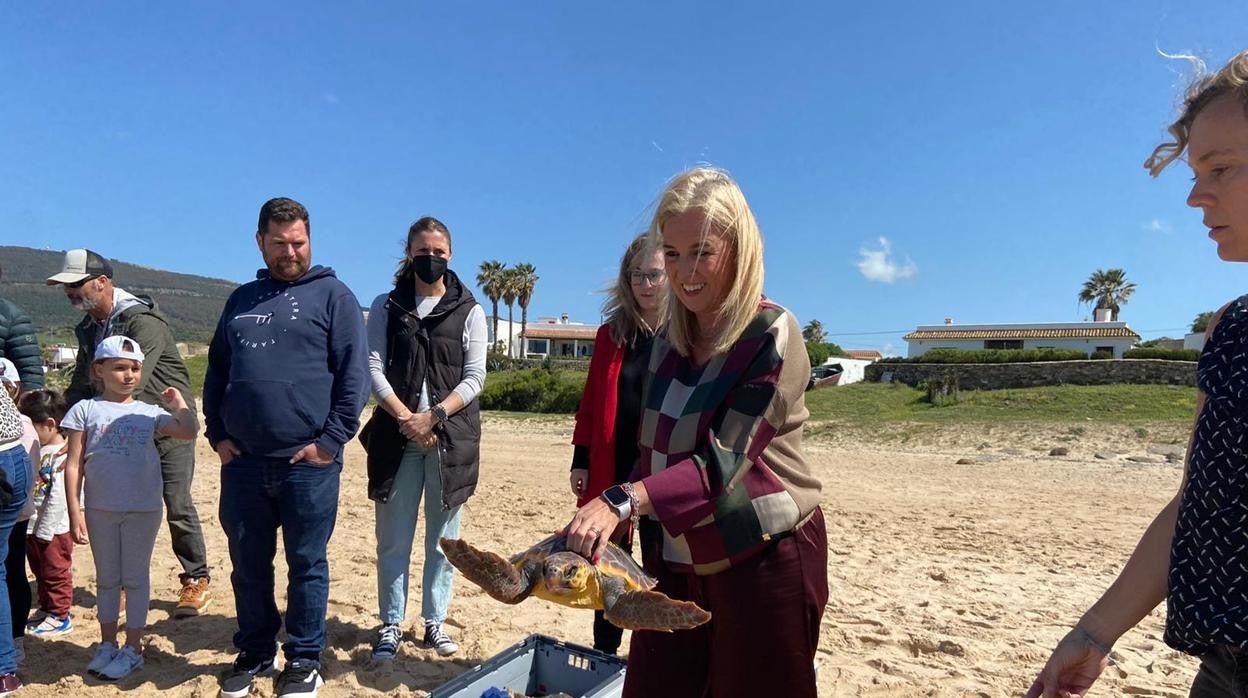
419	471
14	464
257	496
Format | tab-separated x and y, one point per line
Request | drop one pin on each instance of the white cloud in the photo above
879	265
1157	225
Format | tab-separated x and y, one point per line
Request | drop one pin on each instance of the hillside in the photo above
191	303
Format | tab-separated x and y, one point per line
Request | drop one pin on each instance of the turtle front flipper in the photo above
498	577
651	610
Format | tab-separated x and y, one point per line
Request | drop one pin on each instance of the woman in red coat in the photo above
605	439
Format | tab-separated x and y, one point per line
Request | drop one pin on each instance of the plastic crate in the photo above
542	665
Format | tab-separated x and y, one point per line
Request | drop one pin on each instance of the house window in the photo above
539	346
1107	350
1003	344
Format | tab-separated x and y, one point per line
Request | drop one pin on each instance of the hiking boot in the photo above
9	683
51	626
300	679
438	640
104	653
193	599
236	683
125	662
387	644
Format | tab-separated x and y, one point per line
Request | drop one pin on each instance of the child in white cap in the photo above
15	559
113	487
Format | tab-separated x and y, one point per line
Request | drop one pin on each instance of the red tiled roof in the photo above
863	354
586	332
1037	333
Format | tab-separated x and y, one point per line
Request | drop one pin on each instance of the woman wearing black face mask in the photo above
427	341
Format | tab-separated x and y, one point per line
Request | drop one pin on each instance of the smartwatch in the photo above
619	501
439	413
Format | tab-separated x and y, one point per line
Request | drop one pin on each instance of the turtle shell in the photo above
615	562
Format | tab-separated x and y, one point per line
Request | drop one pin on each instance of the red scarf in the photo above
595	418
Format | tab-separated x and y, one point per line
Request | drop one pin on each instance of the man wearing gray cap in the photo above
87	279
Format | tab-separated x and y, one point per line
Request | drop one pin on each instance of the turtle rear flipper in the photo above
650	610
498	577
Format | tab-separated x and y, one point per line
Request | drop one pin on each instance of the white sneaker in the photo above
104	653
438	640
124	662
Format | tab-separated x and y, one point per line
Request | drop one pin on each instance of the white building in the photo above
557	337
853	365
1087	337
1195	340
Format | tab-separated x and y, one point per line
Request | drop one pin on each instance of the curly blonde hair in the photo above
714	194
1231	79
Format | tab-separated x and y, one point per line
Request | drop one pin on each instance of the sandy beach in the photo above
947	579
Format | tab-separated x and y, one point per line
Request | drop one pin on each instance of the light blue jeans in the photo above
419	473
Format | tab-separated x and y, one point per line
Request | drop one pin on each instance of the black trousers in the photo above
607	637
1223	674
15	579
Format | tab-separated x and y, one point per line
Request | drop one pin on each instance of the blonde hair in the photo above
620	307
712	193
1231	79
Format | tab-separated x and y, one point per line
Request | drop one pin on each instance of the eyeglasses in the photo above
654	276
80	284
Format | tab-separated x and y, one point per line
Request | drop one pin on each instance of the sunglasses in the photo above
80	284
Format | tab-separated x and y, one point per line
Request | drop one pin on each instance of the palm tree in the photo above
488	278
1108	289
1201	323
509	288
526	281
813	332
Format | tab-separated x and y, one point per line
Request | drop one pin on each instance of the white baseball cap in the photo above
81	265
119	347
8	372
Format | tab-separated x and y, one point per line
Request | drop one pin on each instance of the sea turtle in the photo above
549	571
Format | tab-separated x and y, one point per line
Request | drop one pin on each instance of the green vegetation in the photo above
818	352
533	390
197	366
1113	404
990	356
1160	353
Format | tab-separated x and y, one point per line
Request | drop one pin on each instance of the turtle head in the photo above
566	573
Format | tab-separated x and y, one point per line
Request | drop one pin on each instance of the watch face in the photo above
615	496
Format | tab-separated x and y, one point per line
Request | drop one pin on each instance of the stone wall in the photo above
1030	375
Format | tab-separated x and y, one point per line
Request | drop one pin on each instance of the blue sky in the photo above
977	159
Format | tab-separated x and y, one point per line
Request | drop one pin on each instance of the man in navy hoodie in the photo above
287	379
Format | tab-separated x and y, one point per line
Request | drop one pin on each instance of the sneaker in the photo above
125	662
104	653
36	618
236	683
9	683
301	679
51	626
193	599
438	640
387	645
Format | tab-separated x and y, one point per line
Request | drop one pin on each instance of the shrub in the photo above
818	352
1158	353
996	356
533	390
1102	354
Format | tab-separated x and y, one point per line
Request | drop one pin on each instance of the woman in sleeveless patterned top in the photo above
1193	553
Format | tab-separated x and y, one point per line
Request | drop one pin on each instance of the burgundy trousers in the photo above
53	565
764	628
